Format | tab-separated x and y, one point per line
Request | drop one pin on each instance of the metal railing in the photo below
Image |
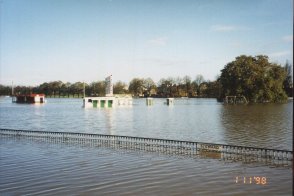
190	148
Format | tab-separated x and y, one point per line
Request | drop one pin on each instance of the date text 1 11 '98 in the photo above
251	180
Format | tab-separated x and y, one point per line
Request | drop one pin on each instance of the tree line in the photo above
138	87
253	77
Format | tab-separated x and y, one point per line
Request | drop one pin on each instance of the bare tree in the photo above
198	81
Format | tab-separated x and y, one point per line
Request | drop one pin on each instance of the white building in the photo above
109	101
106	102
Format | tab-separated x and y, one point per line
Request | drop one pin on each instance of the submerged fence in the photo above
220	151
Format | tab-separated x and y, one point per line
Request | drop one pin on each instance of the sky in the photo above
87	40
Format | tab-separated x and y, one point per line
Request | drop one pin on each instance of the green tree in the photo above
77	88
255	78
212	89
288	82
18	90
66	88
44	88
120	88
136	86
5	90
100	88
97	88
56	87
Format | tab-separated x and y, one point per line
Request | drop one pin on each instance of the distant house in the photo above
31	98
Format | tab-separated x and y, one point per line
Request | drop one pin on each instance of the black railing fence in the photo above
190	148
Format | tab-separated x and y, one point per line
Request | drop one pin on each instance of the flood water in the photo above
37	167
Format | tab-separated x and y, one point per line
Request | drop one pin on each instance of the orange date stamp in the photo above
259	180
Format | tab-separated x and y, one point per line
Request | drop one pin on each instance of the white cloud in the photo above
159	41
280	53
223	28
288	38
228	28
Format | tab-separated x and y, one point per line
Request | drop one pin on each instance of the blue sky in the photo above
87	40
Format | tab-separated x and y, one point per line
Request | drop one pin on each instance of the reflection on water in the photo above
36	167
268	125
204	120
42	167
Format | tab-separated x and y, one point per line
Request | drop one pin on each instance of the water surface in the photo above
203	120
38	167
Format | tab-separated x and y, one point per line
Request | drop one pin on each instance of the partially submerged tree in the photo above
255	78
288	82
